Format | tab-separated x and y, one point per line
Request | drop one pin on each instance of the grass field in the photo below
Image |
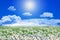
29	33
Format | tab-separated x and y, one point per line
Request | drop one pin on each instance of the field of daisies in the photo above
29	33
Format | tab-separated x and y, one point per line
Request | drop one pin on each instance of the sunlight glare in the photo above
29	5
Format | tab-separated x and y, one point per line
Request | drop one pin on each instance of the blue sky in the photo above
47	10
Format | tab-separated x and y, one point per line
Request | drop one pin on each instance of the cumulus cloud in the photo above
13	20
10	19
11	8
47	14
27	14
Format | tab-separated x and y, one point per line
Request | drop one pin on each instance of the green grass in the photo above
44	31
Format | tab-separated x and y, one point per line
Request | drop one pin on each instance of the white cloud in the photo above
27	14
17	21
10	18
47	14
22	24
5	18
12	8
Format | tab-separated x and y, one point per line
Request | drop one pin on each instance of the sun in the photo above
29	6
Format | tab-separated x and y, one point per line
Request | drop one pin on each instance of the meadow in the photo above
29	33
